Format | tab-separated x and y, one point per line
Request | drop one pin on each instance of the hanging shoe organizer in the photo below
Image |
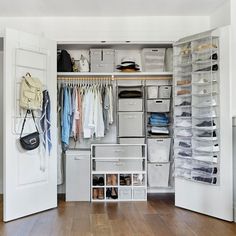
196	110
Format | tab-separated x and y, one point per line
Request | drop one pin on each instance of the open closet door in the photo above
203	124
30	177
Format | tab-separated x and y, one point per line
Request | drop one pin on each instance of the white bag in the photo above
31	94
83	64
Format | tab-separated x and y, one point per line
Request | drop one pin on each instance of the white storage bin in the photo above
125	193
132	140
139	193
102	60
158	175
118	151
164	91
77	175
153	59
129	104
158	105
159	150
131	124
152	92
118	165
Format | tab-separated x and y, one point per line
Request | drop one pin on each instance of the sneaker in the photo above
184	133
185	154
184	144
207	134
203	81
209	68
184	123
186	114
206	103
214	148
183	92
204	91
207	124
185	103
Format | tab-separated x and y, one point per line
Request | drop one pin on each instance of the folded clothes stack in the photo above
158	119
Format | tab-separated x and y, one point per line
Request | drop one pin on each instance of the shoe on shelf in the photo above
203	81
113	180
184	133
184	123
184	92
214	148
108	193
95	193
184	144
185	103
207	102
95	180
207	124
101	181
128	180
114	194
185	154
108	180
186	114
184	82
207	134
100	193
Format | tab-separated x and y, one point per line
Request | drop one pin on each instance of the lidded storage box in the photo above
102	60
153	59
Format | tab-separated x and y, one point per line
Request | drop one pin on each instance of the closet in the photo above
149	111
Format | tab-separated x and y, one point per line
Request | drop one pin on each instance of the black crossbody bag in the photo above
30	141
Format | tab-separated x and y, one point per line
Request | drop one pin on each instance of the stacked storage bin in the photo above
158	134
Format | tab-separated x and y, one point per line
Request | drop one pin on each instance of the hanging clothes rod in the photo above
115	78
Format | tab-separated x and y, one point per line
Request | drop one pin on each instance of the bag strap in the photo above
23	125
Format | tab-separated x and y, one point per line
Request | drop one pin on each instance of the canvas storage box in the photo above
164	91
158	174
130	124
153	59
125	193
158	105
159	149
102	60
130	104
139	193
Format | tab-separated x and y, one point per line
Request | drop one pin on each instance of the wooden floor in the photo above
158	216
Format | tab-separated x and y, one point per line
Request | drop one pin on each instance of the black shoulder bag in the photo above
30	141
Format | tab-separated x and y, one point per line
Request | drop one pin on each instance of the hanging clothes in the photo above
86	111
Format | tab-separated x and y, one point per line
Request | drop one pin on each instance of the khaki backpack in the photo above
31	93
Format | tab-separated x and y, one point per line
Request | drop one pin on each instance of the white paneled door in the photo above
30	177
194	189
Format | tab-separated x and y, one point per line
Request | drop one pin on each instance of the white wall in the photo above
1	120
221	16
164	28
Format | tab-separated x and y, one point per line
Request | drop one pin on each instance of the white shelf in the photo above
71	74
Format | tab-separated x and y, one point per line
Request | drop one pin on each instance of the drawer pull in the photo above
159	101
119	150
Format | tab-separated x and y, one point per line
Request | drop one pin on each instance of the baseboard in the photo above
234	211
161	190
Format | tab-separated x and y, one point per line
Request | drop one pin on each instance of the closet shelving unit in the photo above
196	110
120	162
144	78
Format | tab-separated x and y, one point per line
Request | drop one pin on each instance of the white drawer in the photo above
131	124
158	150
130	104
125	193
139	193
118	165
132	140
158	175
158	105
118	151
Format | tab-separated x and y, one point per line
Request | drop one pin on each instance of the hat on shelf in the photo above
128	65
